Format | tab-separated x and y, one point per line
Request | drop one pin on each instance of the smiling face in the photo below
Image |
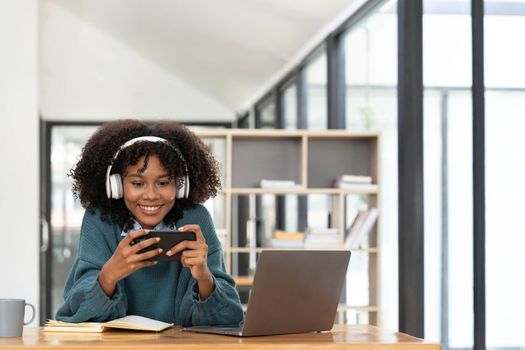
149	195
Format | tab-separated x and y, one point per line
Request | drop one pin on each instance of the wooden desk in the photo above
341	337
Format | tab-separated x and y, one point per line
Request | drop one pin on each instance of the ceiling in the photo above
231	50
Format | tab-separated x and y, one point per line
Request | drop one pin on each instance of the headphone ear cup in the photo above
181	190
115	182
108	187
184	189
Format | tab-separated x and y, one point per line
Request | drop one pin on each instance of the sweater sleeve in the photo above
223	306
84	299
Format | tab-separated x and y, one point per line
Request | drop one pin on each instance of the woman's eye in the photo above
137	184
164	183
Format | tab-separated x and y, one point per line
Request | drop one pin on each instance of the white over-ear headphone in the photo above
114	187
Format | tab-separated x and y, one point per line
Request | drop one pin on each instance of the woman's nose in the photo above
151	192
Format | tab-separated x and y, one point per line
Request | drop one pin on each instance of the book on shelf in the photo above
360	228
265	183
287	239
362	179
355	182
322	238
288	235
131	322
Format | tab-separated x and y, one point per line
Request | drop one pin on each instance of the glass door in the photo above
62	213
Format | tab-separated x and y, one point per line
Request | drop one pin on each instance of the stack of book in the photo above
287	240
358	232
357	182
322	238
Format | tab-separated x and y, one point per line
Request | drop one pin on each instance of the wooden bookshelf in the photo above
313	160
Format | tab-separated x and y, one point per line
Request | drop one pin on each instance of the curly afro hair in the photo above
89	173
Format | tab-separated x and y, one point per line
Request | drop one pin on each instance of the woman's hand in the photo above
125	260
195	257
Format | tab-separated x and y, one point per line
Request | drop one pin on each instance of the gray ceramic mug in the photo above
12	317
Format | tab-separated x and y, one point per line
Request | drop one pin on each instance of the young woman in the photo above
134	177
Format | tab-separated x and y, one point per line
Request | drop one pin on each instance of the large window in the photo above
448	123
370	59
505	173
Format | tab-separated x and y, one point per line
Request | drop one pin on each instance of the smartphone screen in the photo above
168	239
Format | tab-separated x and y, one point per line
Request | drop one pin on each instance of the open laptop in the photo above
293	291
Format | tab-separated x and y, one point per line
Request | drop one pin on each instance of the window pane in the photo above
447	78
289	106
266	113
316	98
371	71
505	173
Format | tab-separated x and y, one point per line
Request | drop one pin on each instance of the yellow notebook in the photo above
132	322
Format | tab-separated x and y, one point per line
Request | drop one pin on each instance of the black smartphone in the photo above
168	239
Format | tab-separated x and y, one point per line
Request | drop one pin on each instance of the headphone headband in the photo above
143	139
114	182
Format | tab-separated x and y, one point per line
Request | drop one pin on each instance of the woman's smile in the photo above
149	193
150	209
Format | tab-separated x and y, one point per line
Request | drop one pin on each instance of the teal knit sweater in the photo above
165	292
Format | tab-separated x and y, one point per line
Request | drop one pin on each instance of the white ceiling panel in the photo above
227	49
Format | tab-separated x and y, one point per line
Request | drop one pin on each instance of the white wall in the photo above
86	74
19	258
83	75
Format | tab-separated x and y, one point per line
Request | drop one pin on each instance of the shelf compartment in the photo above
255	159
342	156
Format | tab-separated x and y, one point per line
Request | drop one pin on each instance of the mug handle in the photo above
32	317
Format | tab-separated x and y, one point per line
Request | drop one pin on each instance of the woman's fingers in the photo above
193	257
187	245
131	236
144	244
125	259
193	228
130	251
194	254
149	254
139	265
191	261
199	244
